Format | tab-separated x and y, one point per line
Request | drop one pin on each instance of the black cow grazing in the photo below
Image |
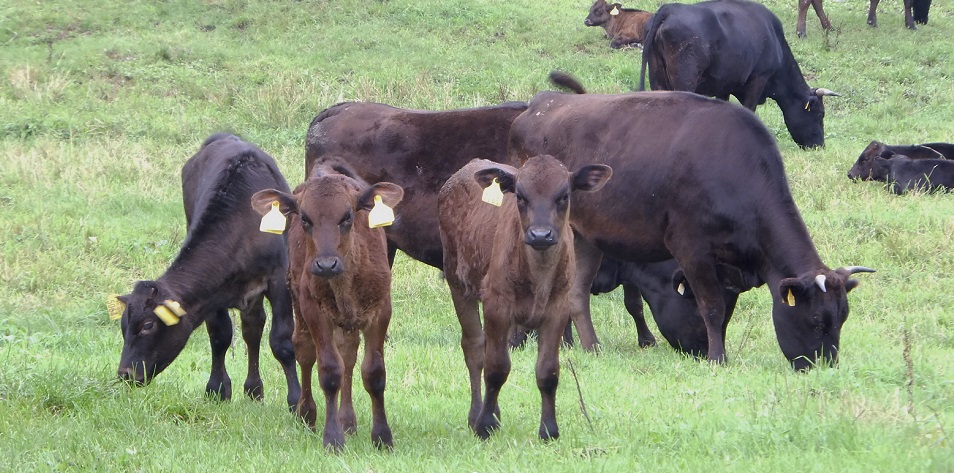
915	11
862	167
906	174
700	181
225	262
625	26
732	47
670	300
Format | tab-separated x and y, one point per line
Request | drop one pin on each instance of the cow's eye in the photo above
521	199
148	326
346	220
306	224
564	198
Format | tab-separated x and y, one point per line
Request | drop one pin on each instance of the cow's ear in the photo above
681	285
591	178
506	178
391	195
791	290
262	201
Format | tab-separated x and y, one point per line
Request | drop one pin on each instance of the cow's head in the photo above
862	168
809	311
155	329
601	12
326	206
806	123
542	187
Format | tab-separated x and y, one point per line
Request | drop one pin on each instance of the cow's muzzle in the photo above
327	267
130	376
540	238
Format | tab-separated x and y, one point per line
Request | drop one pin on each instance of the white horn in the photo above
820	282
823	92
858	269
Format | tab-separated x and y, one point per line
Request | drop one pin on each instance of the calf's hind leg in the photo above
280	338
219	327
253	325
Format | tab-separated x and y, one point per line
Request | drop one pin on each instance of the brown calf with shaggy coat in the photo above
341	284
625	26
517	259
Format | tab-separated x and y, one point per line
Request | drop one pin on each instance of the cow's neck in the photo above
198	274
788	87
787	247
544	268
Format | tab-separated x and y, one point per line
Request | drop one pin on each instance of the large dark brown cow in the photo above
906	174
625	26
876	149
732	47
224	262
670	300
700	181
915	11
415	149
341	285
517	260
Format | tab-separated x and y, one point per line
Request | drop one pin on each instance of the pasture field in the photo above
104	101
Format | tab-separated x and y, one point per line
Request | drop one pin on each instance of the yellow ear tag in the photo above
681	289
492	194
174	307
614	11
808	105
790	300
273	221
165	315
380	215
115	307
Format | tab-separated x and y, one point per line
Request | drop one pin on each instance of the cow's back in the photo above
673	154
418	150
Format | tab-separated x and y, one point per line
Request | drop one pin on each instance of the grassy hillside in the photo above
103	103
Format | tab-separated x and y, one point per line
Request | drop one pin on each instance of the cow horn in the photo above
823	92
820	282
859	269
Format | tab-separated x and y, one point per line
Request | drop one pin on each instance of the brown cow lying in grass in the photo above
625	26
518	260
341	284
876	149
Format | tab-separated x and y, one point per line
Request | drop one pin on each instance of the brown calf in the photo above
626	26
518	261
341	284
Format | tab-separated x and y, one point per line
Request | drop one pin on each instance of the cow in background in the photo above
915	11
904	173
225	262
625	26
341	285
517	260
732	47
876	149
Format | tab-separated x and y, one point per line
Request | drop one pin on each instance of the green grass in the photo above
104	102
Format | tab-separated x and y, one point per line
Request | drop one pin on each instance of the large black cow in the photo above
225	262
732	47
700	181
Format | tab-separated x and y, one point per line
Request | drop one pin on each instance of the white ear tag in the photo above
614	11
380	215
273	221
681	289
492	194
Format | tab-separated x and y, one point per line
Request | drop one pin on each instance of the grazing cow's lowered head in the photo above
326	205
812	311
542	187
152	333
807	124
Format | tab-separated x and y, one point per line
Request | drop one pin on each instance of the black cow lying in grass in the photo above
906	174
877	149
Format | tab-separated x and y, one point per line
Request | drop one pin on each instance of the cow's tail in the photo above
919	10
562	79
648	40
